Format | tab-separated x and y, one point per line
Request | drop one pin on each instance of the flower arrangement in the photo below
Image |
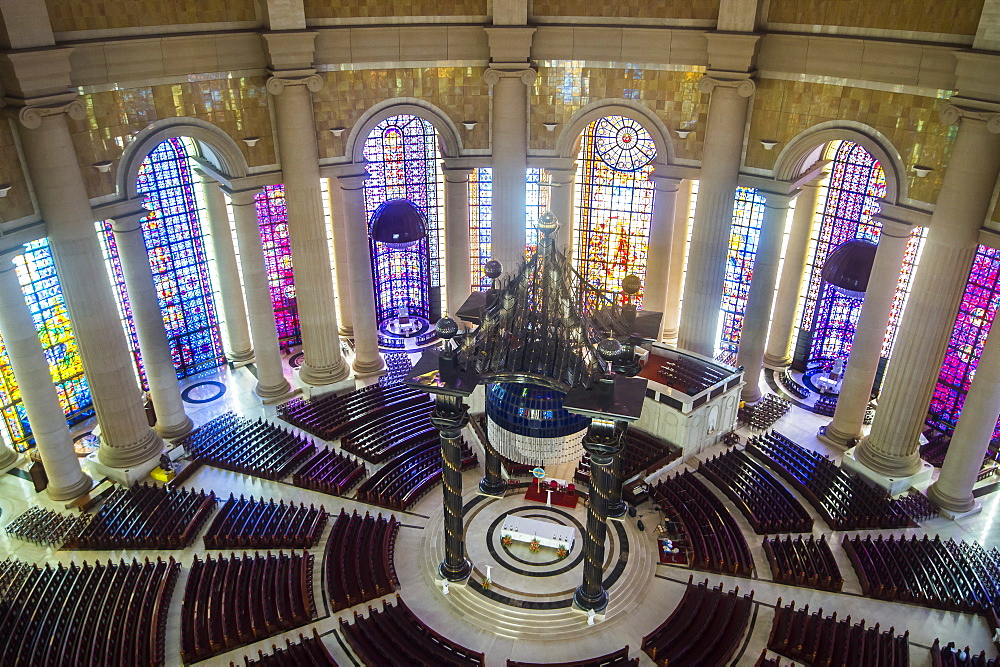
506	540
486	584
562	551
534	545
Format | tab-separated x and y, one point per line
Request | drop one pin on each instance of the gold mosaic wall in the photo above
782	109
238	106
958	17
458	91
673	96
70	15
17	203
342	9
645	9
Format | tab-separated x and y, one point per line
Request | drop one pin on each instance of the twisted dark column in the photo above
449	416
617	507
493	483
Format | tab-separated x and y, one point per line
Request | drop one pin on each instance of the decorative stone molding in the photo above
951	113
492	75
277	84
744	87
30	116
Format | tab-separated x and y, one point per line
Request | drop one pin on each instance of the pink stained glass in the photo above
272	218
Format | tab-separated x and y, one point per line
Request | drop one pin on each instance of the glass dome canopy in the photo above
531	410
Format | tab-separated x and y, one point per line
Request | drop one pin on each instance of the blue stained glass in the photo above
537	198
748	215
480	224
272	218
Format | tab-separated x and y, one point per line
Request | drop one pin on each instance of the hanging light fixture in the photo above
398	223
849	266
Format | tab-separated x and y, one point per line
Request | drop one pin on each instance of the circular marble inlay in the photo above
85	444
544	563
295	360
202	392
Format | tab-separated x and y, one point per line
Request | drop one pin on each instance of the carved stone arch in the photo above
213	145
792	161
448	137
567	145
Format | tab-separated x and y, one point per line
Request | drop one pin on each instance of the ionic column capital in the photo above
743	87
30	115
493	75
951	113
130	221
894	228
778	200
455	174
245	197
663	182
352	177
276	84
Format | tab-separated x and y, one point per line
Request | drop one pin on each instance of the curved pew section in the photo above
714	540
331	416
844	500
47	528
256	524
112	614
146	517
955	576
705	629
330	472
359	559
390	432
643	454
251	446
953	656
309	651
762	415
405	479
618	658
767	505
233	601
394	636
808	563
813	639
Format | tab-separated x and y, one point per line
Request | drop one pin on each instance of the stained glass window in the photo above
480	217
748	215
830	316
175	244
36	272
404	163
975	315
537	199
614	202
272	218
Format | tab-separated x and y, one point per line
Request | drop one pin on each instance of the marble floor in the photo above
505	622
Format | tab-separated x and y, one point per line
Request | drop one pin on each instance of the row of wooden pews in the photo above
952	656
359	559
309	651
643	454
808	563
250	446
704	629
393	432
112	614
47	528
765	661
791	386
689	376
146	517
617	658
714	538
956	576
767	505
406	478
762	415
331	416
329	471
395	636
233	601
255	524
813	639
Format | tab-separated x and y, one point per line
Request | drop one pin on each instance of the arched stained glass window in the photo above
614	202
537	200
272	218
176	247
480	224
36	272
748	215
404	163
975	315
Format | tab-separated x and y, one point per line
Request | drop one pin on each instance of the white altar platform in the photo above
548	534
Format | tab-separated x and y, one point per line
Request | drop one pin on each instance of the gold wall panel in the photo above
561	90
238	106
342	9
783	109
17	203
957	17
458	91
70	15
644	9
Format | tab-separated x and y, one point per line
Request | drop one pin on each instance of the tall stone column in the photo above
341	260
952	491
562	174
366	357
678	246
323	363
237	330
720	166
750	354
171	420
458	272
778	353
661	237
866	349
271	381
126	438
450	416
509	137
492	483
617	507
891	449
31	370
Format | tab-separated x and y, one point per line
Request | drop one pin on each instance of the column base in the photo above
11	463
241	357
146	450
893	484
888	465
124	476
457	574
777	363
85	484
308	390
750	393
835	438
175	431
951	507
493	488
368	368
617	510
318	377
586	602
272	391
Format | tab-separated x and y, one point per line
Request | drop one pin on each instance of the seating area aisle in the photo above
704	629
617	658
813	639
250	446
952	656
808	563
331	416
233	601
329	471
643	454
767	505
844	500
114	614
47	528
146	517
359	559
943	574
256	524
713	538
404	480
309	651
395	636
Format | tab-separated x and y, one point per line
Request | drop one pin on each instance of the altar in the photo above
548	534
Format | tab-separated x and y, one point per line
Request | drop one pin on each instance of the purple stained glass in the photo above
748	215
480	224
272	218
537	198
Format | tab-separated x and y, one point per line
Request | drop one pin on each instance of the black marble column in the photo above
493	483
617	507
449	416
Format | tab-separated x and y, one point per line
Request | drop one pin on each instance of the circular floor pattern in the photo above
295	360
85	444
201	392
519	552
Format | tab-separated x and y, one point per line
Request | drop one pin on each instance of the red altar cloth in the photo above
561	498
